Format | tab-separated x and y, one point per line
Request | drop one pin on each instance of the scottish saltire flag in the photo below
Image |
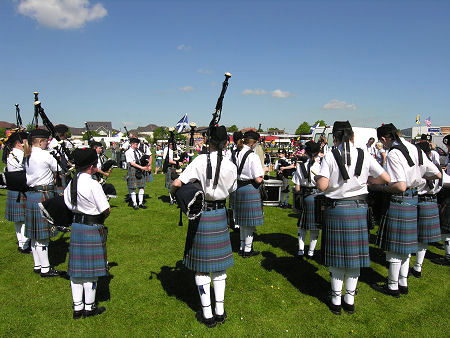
418	119
428	121
182	124
311	130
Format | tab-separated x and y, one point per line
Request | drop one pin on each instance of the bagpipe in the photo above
286	172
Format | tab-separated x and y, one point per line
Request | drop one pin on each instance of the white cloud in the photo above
257	92
336	104
280	94
204	71
186	89
184	47
62	14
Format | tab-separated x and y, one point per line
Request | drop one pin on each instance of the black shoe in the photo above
142	206
94	311
24	251
51	273
220	319
441	261
403	289
37	271
135	207
250	254
415	273
383	288
241	253
78	314
336	309
210	322
350	309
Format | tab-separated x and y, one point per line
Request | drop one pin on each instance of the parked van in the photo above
362	135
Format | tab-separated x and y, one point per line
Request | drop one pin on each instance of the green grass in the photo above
150	294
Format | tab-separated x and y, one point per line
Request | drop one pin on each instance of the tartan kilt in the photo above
208	246
15	212
285	185
398	229
231	199
132	181
428	226
169	180
345	238
307	214
148	177
445	217
87	251
36	227
248	209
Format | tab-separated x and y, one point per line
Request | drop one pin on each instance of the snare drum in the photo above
273	189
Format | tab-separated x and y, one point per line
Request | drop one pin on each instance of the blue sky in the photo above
139	62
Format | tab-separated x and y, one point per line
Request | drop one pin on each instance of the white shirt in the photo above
277	164
40	167
435	157
399	170
356	185
170	154
299	179
196	170
146	149
130	155
125	145
252	166
371	149
14	162
91	199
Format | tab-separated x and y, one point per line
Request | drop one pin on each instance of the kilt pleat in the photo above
36	227
248	209
169	180
398	229
345	239
87	251
208	246
307	214
445	217
428	225
15	212
132	181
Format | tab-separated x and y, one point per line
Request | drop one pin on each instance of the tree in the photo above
321	123
93	134
2	132
304	128
232	129
160	133
30	127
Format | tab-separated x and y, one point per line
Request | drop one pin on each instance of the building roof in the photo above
4	124
148	128
94	125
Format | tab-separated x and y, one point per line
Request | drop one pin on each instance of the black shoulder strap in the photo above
420	155
359	162
340	163
74	191
234	153
244	158
219	163
303	169
405	153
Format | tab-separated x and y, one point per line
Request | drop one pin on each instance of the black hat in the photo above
312	148
446	140
84	157
237	135
219	133
386	129
282	151
61	128
250	134
134	140
17	136
425	146
425	137
40	133
340	126
96	144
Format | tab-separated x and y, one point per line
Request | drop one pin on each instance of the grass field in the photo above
149	293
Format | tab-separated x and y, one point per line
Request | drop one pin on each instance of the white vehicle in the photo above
362	135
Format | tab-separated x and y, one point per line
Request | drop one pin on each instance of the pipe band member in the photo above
248	210
84	196
232	154
172	169
281	166
397	235
343	176
98	147
62	130
15	201
40	167
135	177
306	185
208	248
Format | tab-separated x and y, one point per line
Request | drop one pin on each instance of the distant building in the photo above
417	131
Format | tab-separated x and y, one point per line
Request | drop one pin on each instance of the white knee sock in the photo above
337	280
90	288
446	240
403	275
37	262
420	256
133	197
313	237
25	239
248	238
301	241
141	196
242	238
42	251
203	286
219	282
395	261
351	280
18	228
77	293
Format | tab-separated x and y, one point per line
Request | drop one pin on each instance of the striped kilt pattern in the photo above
247	206
15	212
169	180
428	226
132	181
87	251
345	238
231	199
208	247
445	217
36	227
148	177
307	216
398	229
285	185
